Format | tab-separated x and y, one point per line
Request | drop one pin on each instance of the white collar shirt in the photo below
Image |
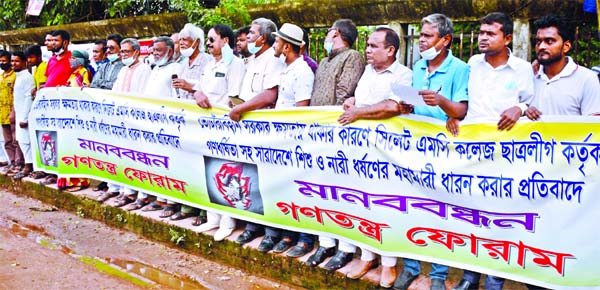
160	81
374	87
221	80
296	84
262	73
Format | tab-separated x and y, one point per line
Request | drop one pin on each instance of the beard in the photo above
550	60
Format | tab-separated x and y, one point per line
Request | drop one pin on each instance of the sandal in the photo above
50	179
198	220
125	200
37	174
102	186
106	195
182	215
153	206
20	175
74	188
169	210
139	203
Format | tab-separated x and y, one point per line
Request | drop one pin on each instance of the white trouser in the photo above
112	187
26	149
3	156
327	242
386	261
224	221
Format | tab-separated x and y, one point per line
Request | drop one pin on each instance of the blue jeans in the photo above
491	282
437	271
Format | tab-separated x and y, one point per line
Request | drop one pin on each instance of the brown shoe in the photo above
362	268
388	276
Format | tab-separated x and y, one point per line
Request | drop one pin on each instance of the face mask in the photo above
128	61
227	54
187	52
150	59
328	45
161	61
112	57
73	63
5	66
252	48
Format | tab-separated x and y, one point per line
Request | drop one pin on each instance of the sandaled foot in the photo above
182	215
153	206
124	200
199	220
75	188
139	203
102	186
169	211
37	174
106	195
50	179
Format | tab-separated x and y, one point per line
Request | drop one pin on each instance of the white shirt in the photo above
296	84
574	91
132	79
221	80
23	99
159	82
493	90
374	87
262	73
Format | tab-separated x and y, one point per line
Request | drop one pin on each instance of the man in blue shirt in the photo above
443	81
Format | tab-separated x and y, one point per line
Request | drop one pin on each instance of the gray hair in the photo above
167	40
135	44
267	27
193	31
441	21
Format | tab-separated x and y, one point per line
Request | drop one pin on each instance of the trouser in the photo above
327	242
437	270
306	238
26	149
10	144
3	155
112	187
169	202
491	282
224	221
386	261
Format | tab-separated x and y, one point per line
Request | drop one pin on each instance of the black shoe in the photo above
320	256
437	284
283	245
247	236
102	186
267	243
300	250
404	280
466	285
340	259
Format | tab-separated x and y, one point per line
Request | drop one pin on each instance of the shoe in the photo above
206	227
437	284
102	186
248	236
466	285
267	243
283	245
106	195
362	268
340	259
300	250
388	276
223	233
320	256
404	280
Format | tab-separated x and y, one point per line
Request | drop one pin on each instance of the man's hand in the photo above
404	108
202	100
533	113
349	103
23	125
182	84
349	116
431	98
452	125
235	114
509	118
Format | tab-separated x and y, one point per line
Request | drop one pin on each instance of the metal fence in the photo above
585	48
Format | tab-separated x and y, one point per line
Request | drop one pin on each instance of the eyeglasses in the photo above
110	47
210	39
126	51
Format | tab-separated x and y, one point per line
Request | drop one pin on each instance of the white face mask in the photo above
128	61
161	61
328	45
187	52
430	53
227	54
112	57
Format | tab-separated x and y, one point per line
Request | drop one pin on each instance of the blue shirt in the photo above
452	77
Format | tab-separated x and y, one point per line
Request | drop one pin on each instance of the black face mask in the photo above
5	66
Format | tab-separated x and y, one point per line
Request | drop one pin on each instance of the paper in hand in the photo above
407	94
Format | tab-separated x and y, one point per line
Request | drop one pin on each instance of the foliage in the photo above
12	15
177	237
